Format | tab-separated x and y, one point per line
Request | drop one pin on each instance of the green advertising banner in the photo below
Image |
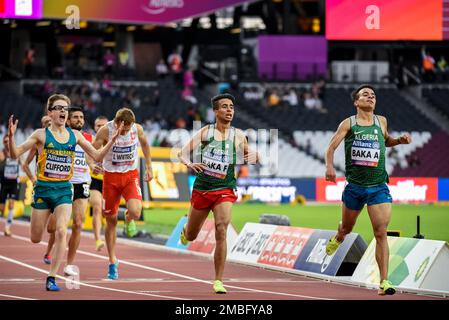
410	262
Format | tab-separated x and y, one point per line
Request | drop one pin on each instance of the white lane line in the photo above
74	282
185	276
15	297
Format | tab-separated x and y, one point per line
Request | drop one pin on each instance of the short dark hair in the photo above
355	93
217	98
73	109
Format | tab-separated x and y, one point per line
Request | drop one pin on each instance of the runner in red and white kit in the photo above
121	177
81	182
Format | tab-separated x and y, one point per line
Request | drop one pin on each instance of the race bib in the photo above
365	153
80	164
58	166
122	156
11	169
217	164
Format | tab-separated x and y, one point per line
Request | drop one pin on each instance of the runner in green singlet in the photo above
53	190
366	137
217	148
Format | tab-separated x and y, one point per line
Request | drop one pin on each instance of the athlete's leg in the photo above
62	213
222	217
133	209
10	212
51	228
39	219
195	222
348	220
96	200
380	215
2	211
79	208
111	236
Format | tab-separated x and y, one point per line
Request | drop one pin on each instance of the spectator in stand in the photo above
191	112
108	62
309	101
165	143
273	99
443	69
188	96
28	62
161	69
428	65
180	123
290	98
188	80
156	141
175	64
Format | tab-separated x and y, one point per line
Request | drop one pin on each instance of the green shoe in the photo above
218	287
386	288
131	229
332	246
182	237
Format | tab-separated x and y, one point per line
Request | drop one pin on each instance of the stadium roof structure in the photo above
158	12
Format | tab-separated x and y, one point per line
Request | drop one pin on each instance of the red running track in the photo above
146	272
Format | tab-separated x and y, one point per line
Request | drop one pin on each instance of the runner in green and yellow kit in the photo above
217	149
53	191
366	137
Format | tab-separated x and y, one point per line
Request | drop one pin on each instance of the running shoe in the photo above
47	259
99	244
218	287
332	246
386	288
183	238
8	231
131	229
70	270
51	284
113	271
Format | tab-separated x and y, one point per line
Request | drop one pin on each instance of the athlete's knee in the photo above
110	221
77	225
220	231
35	238
380	233
60	233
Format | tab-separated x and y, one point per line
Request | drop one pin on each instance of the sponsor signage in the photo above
413	263
275	189
401	189
313	257
137	11
284	246
205	240
251	242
